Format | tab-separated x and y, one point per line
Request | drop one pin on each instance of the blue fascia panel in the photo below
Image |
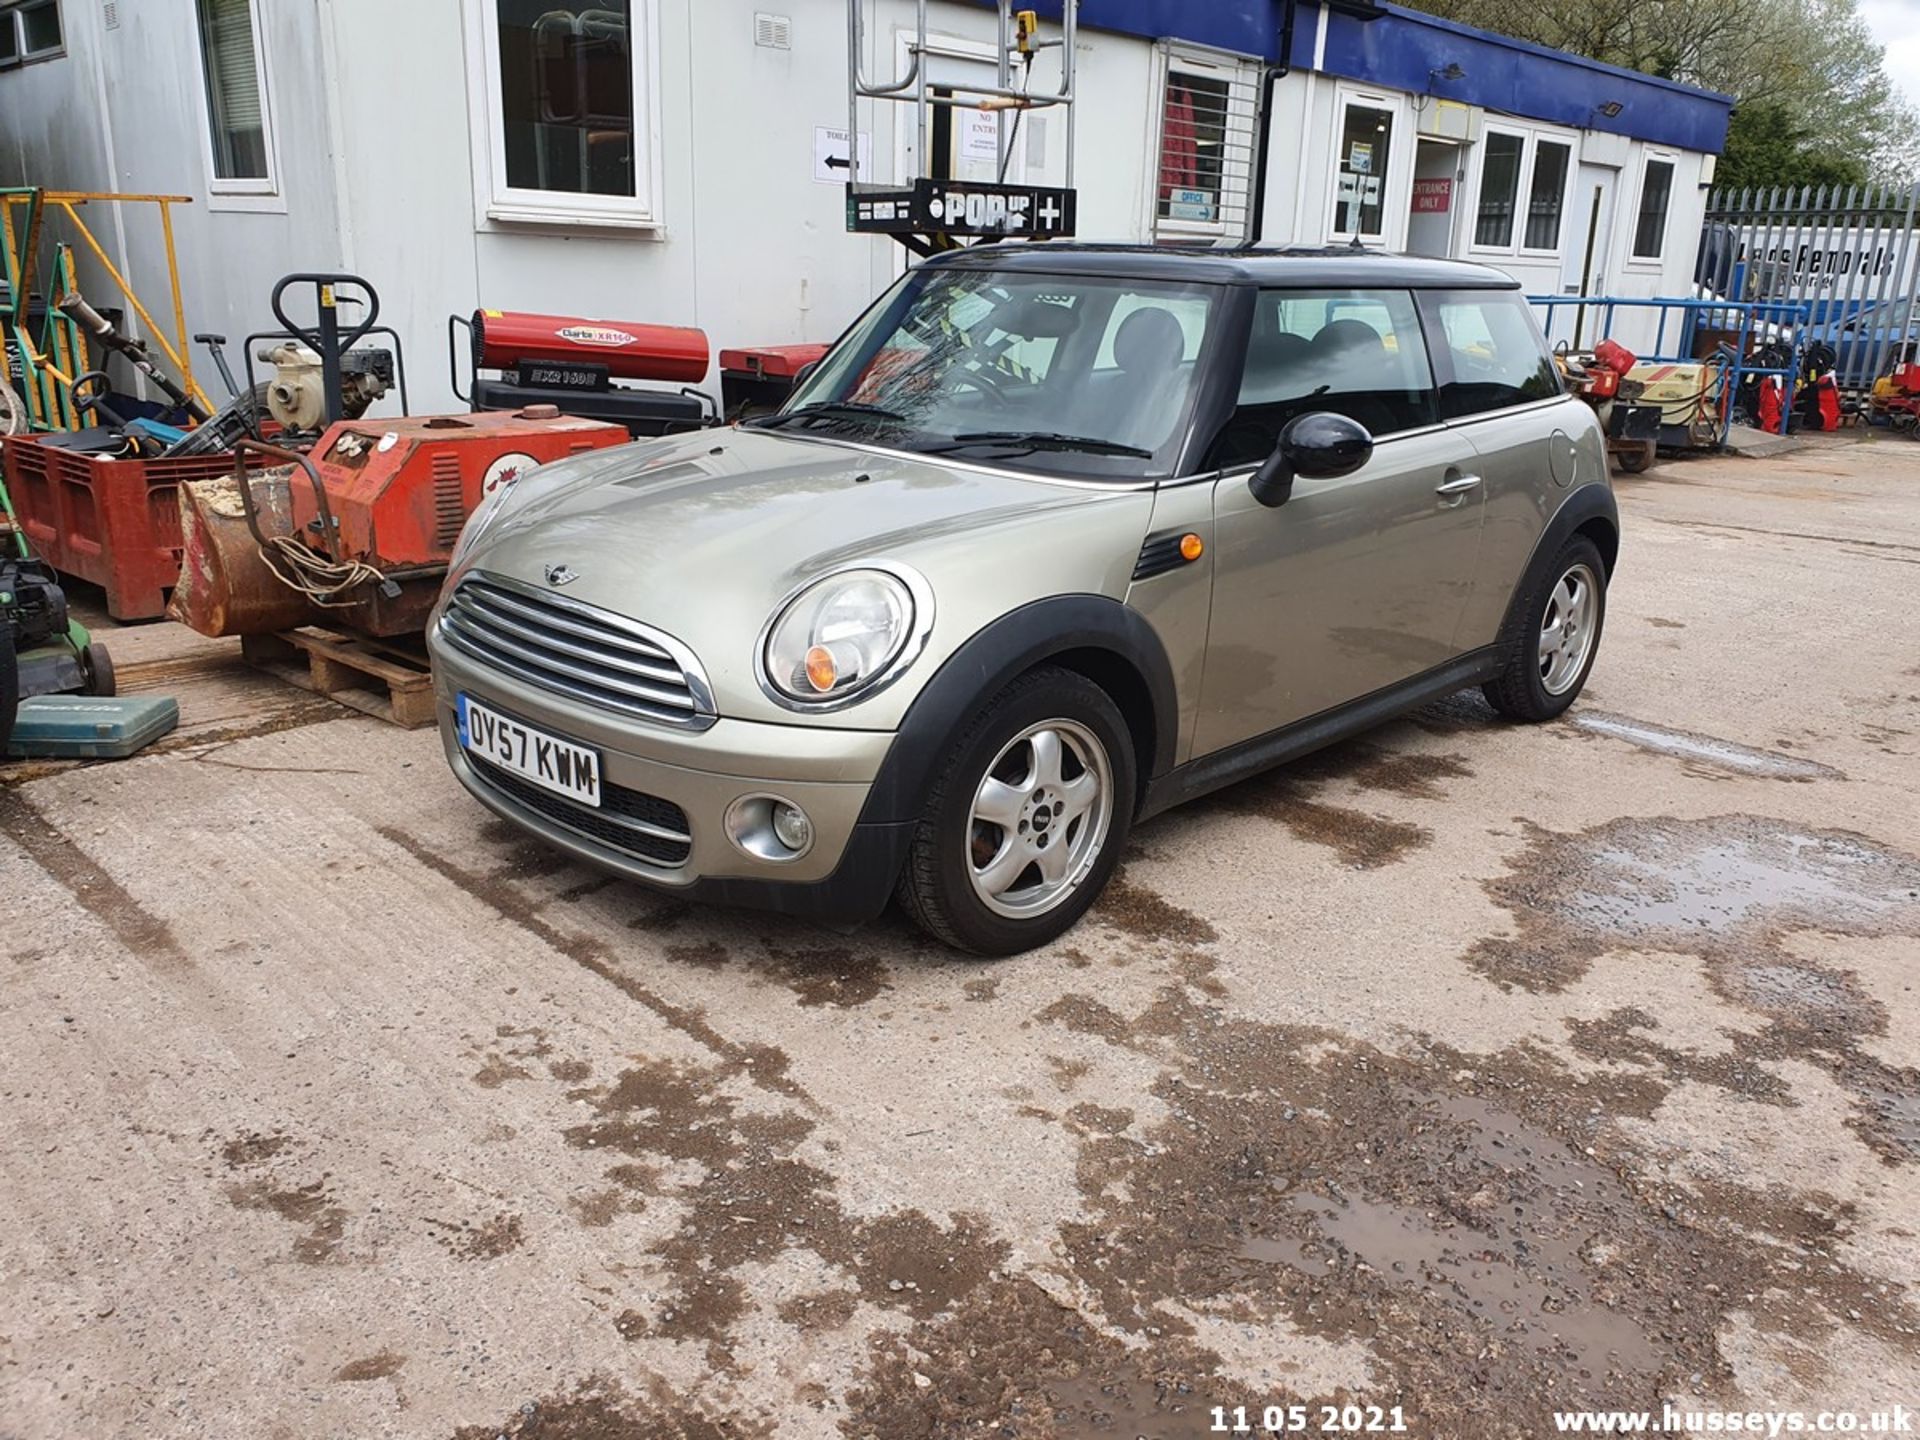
1403	49
1246	27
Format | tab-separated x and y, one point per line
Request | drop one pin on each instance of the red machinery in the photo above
1896	398
756	380
361	532
1601	378
571	363
506	339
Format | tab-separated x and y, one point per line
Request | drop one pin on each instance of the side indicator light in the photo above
1192	547
821	671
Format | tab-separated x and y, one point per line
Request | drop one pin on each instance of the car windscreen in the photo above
1092	377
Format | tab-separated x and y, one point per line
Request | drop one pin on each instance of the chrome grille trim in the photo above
643	840
577	650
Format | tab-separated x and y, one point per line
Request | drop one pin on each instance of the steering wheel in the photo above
979	380
88	390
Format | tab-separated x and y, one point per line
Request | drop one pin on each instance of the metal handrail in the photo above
913	85
1782	313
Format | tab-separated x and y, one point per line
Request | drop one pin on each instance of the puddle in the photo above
1301	1255
1705	748
1729	890
1673	882
1898	1116
1125	1409
1517	1267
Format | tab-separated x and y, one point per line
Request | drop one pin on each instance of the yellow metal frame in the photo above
23	254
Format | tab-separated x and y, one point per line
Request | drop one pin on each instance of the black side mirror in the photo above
805	373
1320	446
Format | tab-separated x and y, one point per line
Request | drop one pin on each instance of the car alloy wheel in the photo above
1039	819
1568	628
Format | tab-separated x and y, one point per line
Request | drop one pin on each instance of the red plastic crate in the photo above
114	522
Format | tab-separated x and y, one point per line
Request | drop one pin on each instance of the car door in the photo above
1498	389
1355	583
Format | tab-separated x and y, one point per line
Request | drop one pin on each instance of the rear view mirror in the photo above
1320	446
1032	318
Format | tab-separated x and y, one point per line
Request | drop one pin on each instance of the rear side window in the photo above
1357	353
1488	351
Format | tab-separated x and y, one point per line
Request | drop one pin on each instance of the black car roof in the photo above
1330	267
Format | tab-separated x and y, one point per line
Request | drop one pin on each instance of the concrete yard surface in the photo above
1473	1069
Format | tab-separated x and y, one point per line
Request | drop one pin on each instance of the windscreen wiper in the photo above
832	410
1040	440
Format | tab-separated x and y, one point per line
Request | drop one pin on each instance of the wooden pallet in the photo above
387	679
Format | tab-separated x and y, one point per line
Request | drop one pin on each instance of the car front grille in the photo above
577	650
644	826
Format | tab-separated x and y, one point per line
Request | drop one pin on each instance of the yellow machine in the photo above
1686	392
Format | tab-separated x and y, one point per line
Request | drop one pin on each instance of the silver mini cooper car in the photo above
1054	538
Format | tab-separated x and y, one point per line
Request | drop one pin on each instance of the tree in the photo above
1814	103
1767	146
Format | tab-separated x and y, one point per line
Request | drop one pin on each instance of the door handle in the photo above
1459	485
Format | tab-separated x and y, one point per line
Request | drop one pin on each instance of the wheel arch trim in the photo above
1073	630
1591	509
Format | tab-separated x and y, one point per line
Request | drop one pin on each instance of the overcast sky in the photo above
1896	24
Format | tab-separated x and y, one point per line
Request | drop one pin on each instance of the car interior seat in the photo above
1148	347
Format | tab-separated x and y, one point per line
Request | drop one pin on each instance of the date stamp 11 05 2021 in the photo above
1309	1420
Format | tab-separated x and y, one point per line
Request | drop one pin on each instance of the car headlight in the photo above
842	635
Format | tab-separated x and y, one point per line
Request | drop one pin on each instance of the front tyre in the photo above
1554	636
1024	826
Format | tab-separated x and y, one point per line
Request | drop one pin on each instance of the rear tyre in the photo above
9	689
1634	462
1022	829
97	668
1551	639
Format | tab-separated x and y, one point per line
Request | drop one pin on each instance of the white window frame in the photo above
1650	157
255	193
1523	169
1524	201
1531	138
497	203
1242	80
1343	100
10	15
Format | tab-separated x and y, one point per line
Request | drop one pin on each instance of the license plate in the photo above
534	755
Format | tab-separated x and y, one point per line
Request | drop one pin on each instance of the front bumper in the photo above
845	876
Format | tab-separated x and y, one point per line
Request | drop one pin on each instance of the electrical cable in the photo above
1013	133
321	580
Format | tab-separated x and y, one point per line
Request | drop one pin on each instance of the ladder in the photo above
930	213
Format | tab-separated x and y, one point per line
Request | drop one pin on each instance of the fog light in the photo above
770	828
791	826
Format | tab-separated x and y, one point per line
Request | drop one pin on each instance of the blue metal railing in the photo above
1788	320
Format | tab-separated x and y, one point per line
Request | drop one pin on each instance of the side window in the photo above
1357	353
1488	351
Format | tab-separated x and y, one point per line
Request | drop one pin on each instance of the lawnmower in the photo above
43	649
